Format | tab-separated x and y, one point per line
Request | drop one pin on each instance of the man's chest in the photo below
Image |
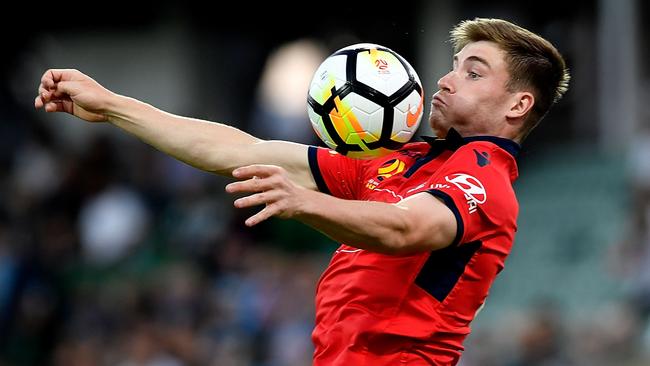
396	178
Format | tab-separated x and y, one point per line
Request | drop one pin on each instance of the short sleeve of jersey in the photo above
334	173
475	183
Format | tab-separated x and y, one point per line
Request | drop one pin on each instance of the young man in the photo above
422	245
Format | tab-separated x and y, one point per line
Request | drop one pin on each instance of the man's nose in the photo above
445	83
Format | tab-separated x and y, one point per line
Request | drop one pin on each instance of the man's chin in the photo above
438	126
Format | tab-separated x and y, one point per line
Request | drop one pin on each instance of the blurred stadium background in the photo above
113	254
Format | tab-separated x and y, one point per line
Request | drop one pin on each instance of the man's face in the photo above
472	97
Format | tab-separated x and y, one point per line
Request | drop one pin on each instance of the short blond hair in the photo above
533	62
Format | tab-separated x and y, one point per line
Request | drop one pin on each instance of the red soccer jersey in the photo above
375	309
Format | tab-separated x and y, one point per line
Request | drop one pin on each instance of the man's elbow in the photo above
402	242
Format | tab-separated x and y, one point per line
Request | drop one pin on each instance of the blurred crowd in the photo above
118	255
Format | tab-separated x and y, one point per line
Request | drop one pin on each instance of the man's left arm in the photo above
416	224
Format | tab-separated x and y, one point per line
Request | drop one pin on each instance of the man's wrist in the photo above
309	202
122	108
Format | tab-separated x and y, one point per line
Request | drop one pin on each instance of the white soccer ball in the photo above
365	101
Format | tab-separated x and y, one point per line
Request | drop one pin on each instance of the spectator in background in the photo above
631	257
280	112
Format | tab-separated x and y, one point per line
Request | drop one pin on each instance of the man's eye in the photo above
473	75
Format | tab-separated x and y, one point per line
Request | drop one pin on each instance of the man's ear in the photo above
522	103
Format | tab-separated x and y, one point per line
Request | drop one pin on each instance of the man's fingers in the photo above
256	199
46	80
57	75
267	212
64	88
266	182
250	185
254	184
41	102
56	106
45	96
58	93
53	76
49	92
255	170
51	100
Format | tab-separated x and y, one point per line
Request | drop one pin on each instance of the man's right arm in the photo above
209	146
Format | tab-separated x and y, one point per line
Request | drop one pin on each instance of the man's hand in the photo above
418	223
271	186
70	91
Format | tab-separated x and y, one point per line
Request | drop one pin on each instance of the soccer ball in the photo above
365	101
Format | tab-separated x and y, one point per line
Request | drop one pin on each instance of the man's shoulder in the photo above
486	159
487	152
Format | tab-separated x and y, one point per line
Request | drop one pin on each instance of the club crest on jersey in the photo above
390	168
473	188
385	171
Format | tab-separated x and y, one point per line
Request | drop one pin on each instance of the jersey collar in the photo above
454	140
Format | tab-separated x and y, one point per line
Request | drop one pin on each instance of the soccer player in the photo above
424	231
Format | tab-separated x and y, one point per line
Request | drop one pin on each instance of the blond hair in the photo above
533	63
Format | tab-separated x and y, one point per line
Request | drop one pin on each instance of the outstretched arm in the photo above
209	146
